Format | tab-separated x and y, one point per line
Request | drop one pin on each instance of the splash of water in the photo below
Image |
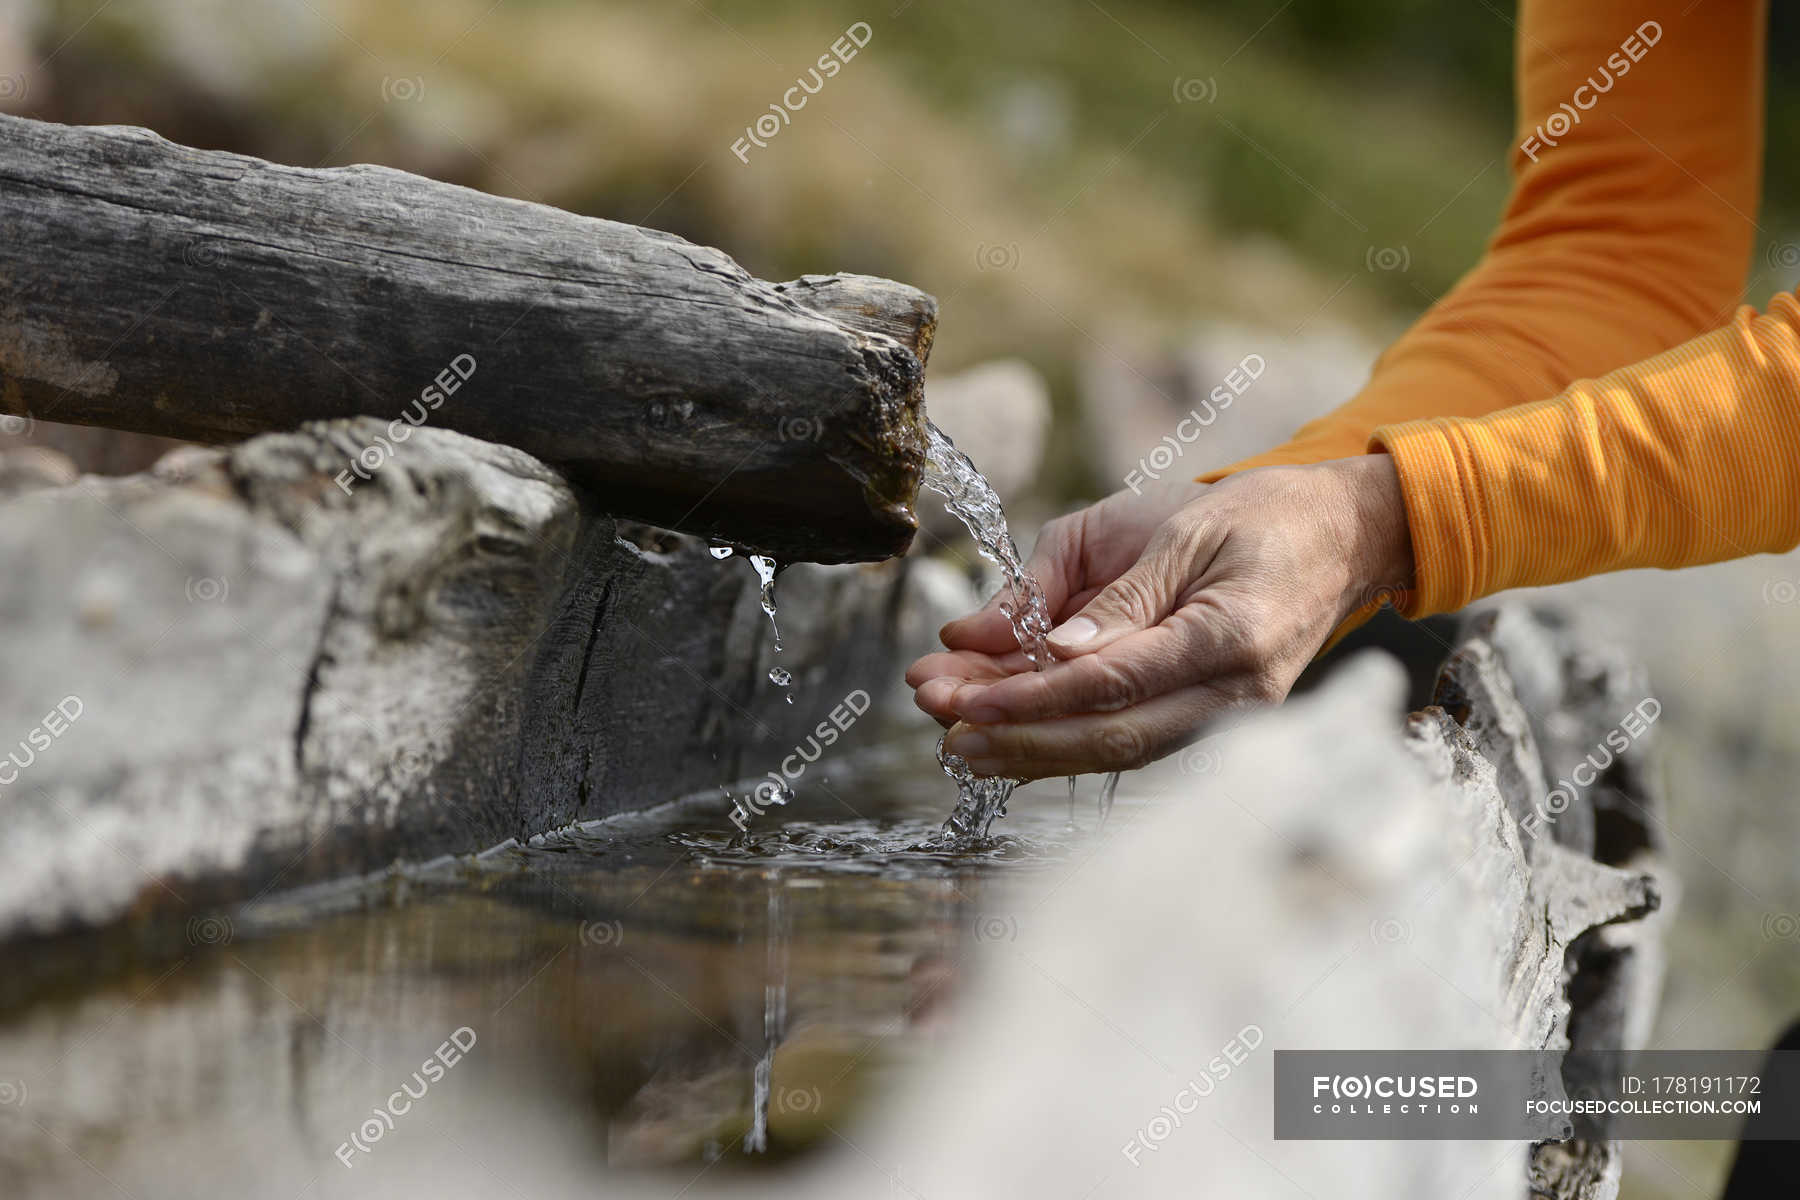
971	499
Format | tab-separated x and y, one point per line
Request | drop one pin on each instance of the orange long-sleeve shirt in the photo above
1555	414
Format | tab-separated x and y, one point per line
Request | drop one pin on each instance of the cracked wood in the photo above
210	296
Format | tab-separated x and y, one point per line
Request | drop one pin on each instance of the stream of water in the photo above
972	500
980	800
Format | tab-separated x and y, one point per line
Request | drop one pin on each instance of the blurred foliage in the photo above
1335	129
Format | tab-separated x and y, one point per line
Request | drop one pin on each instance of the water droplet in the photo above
779	677
1106	796
765	571
720	551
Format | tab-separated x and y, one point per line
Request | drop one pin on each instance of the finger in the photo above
933	698
1190	646
966	665
935	678
1076	603
1175	558
1095	741
985	629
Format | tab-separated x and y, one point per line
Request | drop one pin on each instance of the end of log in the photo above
885	448
871	304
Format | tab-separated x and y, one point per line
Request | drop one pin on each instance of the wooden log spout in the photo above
211	296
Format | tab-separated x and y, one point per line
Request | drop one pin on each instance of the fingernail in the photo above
1075	632
967	744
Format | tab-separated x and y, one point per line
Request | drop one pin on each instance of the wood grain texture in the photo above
211	296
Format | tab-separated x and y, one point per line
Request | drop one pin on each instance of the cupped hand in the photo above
1075	557
1173	607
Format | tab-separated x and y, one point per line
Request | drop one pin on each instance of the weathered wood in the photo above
212	296
871	304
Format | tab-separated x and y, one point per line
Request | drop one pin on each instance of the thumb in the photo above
1136	600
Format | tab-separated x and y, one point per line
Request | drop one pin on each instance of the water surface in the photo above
679	992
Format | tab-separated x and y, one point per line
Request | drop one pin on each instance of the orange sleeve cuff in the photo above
1446	527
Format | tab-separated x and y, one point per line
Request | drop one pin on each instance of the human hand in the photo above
1173	607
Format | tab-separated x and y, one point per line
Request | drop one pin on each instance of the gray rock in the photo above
267	680
28	468
1315	875
1232	391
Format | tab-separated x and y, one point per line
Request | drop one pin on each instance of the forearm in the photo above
1690	457
1627	237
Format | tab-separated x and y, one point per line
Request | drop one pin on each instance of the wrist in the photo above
1376	537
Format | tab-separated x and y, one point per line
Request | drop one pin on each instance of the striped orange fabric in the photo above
1628	236
1690	457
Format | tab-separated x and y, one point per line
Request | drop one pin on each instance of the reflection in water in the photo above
666	988
774	1020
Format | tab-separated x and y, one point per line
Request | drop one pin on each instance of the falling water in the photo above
1106	795
971	500
765	574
